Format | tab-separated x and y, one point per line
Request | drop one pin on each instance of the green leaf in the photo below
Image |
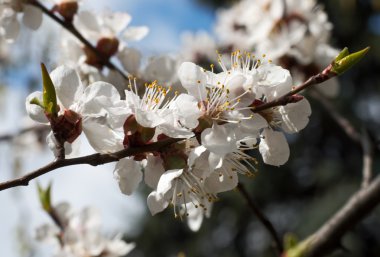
342	54
37	102
45	197
345	60
48	94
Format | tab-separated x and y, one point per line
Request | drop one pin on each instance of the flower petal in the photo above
67	84
130	58
295	116
32	17
136	33
34	111
101	137
193	79
274	148
153	171
128	174
156	203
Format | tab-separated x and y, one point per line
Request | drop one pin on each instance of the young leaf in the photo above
49	96
345	60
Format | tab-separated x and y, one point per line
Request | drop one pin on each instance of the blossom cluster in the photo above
79	234
296	35
213	118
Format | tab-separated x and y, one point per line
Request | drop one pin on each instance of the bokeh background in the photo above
323	171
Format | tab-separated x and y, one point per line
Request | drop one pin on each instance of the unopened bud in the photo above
345	60
67	9
107	46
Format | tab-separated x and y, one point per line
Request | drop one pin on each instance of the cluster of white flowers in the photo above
79	234
294	33
9	24
214	117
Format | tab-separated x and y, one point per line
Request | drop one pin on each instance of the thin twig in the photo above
37	129
68	25
264	220
290	96
344	123
93	159
367	159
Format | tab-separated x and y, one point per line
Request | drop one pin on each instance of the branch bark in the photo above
264	220
70	27
325	240
289	97
93	159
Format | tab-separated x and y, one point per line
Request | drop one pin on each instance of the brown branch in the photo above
93	159
68	25
290	96
344	123
367	159
328	237
264	220
37	129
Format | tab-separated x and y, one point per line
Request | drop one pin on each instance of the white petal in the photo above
161	68
87	22
195	154
128	174
118	247
166	180
215	161
136	33
52	144
295	116
220	139
214	183
195	217
101	101
274	148
67	84
117	21
156	203
186	107
153	171
32	17
10	28
102	138
35	112
148	118
193	79
130	59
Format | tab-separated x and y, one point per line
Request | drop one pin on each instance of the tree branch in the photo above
290	96
68	25
338	118
93	159
37	129
367	159
264	220
357	207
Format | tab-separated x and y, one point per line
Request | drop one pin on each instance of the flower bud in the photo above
107	46
67	9
345	60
